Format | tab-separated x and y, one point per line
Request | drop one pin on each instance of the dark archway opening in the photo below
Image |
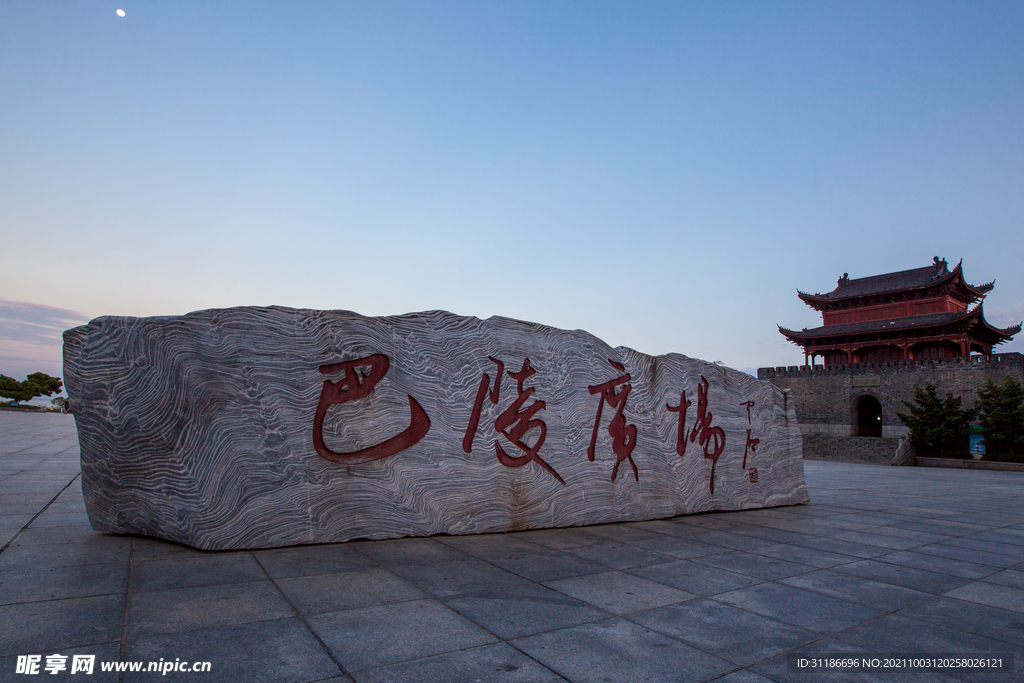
869	416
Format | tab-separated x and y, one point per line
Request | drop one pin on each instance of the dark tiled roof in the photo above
889	282
979	325
879	325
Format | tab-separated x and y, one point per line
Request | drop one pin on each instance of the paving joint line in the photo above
124	621
302	617
36	516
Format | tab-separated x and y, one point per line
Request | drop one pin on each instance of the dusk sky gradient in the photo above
663	175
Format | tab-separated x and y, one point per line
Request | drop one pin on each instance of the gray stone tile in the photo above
699	579
899	575
11	525
851	548
524	559
968	555
516	612
446	578
982	620
679	547
187	609
710	520
822	527
804	609
497	663
153	549
880	540
627	533
872	518
731	541
932	527
727	632
759	566
62	519
281	650
884	597
66	504
896	633
37	626
347	590
619	593
742	676
910	534
1007	577
103	652
307	560
677	528
1001	548
620	651
934	563
556	539
58	534
99	549
770	533
61	582
408	551
952	527
993	595
1004	535
206	570
801	555
619	556
386	634
29	502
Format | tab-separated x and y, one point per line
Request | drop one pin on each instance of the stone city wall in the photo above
826	397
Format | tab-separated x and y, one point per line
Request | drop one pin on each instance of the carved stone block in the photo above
263	427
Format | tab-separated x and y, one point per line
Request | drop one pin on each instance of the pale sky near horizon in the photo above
663	175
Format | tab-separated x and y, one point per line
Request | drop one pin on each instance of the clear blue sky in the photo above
664	175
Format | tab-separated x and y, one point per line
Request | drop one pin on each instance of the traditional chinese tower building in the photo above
921	314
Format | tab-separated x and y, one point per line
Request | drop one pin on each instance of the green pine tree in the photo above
1001	409
938	427
36	384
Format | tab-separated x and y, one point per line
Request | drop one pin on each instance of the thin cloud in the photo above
1004	316
35	323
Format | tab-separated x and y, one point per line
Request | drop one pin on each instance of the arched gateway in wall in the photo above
869	416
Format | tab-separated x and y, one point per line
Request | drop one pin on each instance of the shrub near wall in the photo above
1001	416
938	426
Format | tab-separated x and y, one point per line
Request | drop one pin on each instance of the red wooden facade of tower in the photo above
926	313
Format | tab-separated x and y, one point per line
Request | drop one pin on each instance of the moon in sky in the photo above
120	12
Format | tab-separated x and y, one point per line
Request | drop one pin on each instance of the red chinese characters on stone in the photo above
514	422
623	435
751	442
353	386
681	430
711	439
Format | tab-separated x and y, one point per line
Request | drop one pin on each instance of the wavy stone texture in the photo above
200	429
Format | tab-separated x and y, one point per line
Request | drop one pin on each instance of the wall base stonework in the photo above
862	449
970	464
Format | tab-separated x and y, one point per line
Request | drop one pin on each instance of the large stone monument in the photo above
264	427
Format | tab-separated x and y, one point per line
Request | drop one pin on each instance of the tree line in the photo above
940	426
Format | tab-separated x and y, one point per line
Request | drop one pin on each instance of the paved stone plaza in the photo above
883	560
